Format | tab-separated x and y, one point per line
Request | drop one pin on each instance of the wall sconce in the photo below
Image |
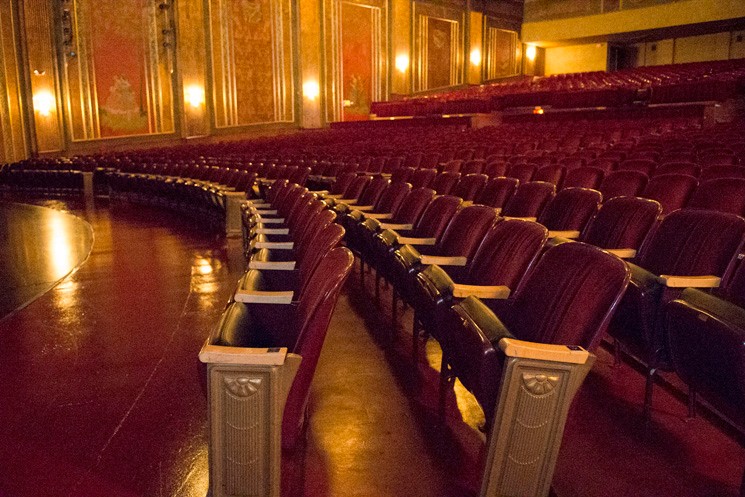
194	96
402	63
311	90
43	102
475	57
530	52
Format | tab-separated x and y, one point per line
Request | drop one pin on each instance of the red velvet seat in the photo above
529	199
583	177
495	168
569	211
645	166
623	184
688	168
622	223
722	171
672	191
521	172
444	183
422	178
567	299
723	195
301	327
470	186
497	192
688	242
551	174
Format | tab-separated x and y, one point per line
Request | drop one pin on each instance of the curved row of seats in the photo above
435	250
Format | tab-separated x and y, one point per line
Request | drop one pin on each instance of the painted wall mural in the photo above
438	46
117	63
356	48
501	52
251	61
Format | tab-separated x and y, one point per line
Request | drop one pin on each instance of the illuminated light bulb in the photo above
194	95
44	103
402	63
530	52
475	57
538	110
311	90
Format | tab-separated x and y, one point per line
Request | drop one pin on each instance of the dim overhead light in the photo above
402	63
43	102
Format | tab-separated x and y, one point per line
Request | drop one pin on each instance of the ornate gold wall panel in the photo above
501	51
251	51
438	46
13	144
356	57
117	67
192	54
38	23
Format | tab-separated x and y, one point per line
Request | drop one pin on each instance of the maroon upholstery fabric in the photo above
723	195
571	209
672	191
583	177
497	192
623	184
470	186
622	222
529	199
444	183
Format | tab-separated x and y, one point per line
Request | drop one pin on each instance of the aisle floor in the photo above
101	392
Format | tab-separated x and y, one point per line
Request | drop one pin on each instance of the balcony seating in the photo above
568	298
623	184
301	327
529	200
723	195
691	247
583	177
568	213
672	191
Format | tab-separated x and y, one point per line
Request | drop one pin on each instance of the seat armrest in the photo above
219	354
324	193
393	226
521	218
481	291
623	253
378	215
570	234
264	212
259	205
362	208
348	201
406	240
275	245
272	231
444	261
543	351
690	281
263	297
271	220
272	265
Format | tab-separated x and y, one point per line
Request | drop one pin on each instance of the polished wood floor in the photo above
100	392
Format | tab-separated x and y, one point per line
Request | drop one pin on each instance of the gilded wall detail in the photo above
12	137
501	51
438	46
544	10
357	49
117	65
251	49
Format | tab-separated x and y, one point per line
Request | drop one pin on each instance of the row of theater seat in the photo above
490	257
695	82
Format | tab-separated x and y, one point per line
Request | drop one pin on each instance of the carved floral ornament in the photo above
242	386
539	384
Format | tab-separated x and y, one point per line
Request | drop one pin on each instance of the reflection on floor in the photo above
101	393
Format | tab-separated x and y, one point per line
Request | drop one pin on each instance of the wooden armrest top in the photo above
392	226
444	261
272	231
482	292
275	245
363	208
242	355
379	215
623	253
523	218
405	240
543	351
272	265
570	234
272	220
263	297
690	281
